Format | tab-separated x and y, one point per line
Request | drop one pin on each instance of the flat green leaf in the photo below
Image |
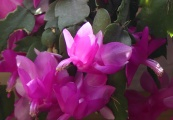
27	42
101	20
6	104
115	33
19	19
50	14
158	15
71	12
48	38
50	17
123	12
118	103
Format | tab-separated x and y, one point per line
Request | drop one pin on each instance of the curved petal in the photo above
25	78
142	45
154	44
36	89
99	38
27	65
119	55
84	31
63	64
69	41
45	62
108	69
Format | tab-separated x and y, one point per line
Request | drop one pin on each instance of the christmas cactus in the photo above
79	59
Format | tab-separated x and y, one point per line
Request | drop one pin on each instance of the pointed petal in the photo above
85	54
154	44
142	45
84	31
119	55
27	65
12	81
45	59
130	71
69	41
99	38
25	78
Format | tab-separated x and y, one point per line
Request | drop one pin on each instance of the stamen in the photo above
155	66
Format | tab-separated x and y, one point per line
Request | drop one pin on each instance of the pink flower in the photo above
83	96
37	78
151	106
140	52
8	64
88	53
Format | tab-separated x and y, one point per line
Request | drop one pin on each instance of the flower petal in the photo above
27	65
23	106
131	69
69	41
45	62
119	55
84	31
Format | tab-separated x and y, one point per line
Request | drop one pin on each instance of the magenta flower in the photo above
12	5
151	106
140	52
8	64
84	96
81	56
37	78
110	62
16	36
94	57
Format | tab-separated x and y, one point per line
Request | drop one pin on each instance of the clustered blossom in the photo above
158	101
140	52
43	88
45	85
